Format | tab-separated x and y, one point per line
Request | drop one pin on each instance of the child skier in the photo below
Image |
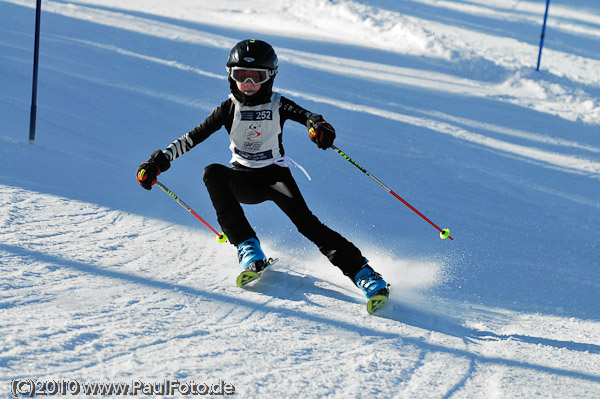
254	115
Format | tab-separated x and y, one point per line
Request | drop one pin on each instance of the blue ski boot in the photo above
370	281
374	286
250	256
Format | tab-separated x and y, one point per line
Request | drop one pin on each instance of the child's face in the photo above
248	88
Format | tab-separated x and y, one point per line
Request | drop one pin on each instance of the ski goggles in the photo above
256	75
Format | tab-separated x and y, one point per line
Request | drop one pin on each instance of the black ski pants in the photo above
228	187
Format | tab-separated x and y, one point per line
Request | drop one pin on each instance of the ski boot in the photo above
374	286
251	256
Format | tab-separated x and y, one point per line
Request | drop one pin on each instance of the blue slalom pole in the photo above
36	52
543	35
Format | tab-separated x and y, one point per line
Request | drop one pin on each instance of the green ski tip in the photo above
377	300
248	276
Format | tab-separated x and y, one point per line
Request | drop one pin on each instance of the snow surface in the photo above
102	281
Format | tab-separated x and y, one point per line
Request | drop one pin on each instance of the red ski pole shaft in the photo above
190	210
386	188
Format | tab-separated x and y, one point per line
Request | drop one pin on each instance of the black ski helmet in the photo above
252	53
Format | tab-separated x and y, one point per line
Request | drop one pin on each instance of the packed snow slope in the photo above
102	281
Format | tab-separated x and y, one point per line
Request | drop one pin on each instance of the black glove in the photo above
148	171
320	131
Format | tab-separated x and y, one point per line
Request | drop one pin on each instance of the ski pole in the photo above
444	233
220	237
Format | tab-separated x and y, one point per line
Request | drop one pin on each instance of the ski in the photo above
247	276
377	300
373	304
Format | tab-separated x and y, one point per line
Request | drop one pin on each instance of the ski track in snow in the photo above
98	304
100	283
